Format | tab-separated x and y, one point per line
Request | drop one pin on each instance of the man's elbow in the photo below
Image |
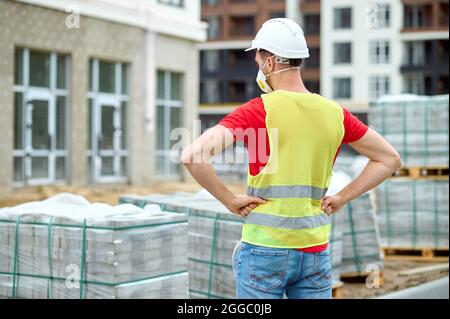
186	156
395	162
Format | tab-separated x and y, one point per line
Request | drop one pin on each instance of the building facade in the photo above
425	47
361	53
309	17
89	90
374	48
227	72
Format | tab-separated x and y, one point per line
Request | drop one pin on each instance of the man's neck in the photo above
292	83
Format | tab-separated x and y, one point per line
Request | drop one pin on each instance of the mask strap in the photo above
293	68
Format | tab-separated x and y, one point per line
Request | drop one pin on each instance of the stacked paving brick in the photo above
361	235
413	213
417	127
413	210
65	247
213	234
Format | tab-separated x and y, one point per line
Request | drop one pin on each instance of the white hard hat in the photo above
282	37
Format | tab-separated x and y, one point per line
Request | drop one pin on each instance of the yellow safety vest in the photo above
305	131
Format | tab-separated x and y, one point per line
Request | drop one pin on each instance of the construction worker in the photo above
284	245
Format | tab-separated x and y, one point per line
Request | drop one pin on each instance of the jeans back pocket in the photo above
321	274
268	269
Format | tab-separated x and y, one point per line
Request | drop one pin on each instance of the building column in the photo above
7	117
78	119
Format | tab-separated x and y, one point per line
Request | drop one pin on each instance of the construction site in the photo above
94	202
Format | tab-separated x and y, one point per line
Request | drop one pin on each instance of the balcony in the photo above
242	26
430	57
426	16
311	24
310	6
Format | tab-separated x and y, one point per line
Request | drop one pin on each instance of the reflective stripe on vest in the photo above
284	191
308	132
274	221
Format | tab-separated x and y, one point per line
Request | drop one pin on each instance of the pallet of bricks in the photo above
413	207
361	256
64	247
213	234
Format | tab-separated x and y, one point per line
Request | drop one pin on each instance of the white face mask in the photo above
261	78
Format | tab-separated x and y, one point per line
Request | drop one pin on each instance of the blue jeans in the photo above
270	273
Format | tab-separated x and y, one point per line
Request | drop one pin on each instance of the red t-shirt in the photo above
252	115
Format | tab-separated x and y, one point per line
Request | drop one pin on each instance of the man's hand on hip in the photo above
331	204
242	205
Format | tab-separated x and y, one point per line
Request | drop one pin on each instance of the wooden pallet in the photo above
337	290
423	172
416	254
361	277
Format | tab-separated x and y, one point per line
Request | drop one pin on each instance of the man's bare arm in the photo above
383	162
196	158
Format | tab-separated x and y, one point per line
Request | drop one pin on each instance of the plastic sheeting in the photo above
65	247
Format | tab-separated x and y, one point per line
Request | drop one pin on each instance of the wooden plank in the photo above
337	290
416	254
420	270
423	172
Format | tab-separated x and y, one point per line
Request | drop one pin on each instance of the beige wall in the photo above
41	28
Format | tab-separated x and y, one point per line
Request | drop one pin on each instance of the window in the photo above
313	86
40	138
214	29
168	117
342	53
210	91
378	86
379	16
414	84
342	88
314	58
175	3
238	60
39	69
379	51
415	53
417	16
107	102
312	24
210	61
277	14
210	2
343	18
242	25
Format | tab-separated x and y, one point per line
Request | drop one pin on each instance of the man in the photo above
284	246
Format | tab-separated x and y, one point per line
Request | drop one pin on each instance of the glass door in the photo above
107	130
39	131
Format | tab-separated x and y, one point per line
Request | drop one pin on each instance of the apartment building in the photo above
227	73
89	91
309	17
425	36
361	53
373	48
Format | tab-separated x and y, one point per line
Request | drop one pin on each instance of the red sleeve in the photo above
354	127
239	118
